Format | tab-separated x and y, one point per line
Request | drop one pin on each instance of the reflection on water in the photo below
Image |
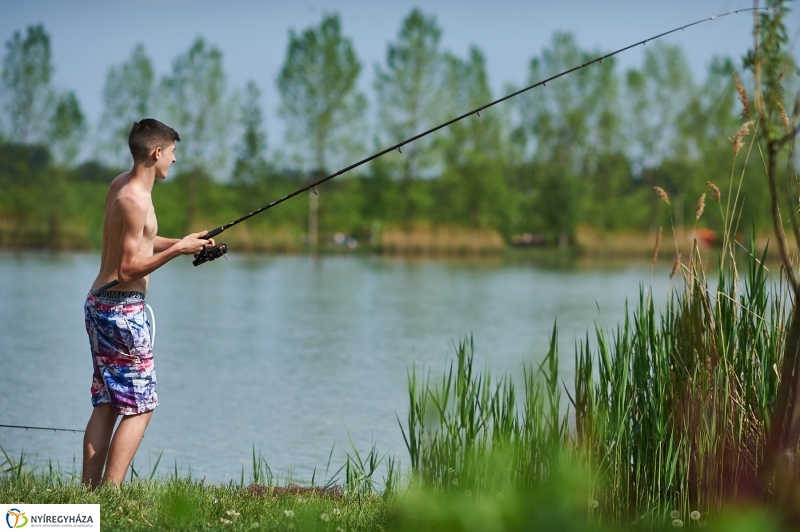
287	355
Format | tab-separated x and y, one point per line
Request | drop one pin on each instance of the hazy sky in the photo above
90	36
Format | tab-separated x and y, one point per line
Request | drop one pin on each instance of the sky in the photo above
88	37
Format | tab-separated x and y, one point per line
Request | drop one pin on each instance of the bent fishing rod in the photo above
210	253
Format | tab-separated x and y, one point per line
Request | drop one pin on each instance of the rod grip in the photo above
212	233
106	286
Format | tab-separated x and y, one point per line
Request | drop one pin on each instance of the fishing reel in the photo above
210	253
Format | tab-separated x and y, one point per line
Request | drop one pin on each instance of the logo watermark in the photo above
42	517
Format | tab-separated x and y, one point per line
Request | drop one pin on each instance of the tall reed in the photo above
668	413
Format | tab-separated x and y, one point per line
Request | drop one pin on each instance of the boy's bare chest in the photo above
151	224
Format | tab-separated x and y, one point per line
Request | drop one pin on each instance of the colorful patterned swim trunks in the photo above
122	354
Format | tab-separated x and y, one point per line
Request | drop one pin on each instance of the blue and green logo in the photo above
17	516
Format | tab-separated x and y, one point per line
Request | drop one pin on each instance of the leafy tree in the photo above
655	97
128	96
198	108
251	170
67	129
573	122
472	186
408	94
250	163
320	101
26	90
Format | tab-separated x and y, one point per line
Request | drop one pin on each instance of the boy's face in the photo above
164	159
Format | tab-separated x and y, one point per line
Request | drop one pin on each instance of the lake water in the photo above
287	355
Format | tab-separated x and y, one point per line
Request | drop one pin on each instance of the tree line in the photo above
586	150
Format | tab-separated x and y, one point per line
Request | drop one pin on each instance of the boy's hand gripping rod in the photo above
214	252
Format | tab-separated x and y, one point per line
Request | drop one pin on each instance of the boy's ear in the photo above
157	152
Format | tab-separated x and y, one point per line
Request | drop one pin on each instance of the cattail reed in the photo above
742	97
657	247
662	194
714	191
737	138
701	205
675	266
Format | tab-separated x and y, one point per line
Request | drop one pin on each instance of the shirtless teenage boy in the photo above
124	378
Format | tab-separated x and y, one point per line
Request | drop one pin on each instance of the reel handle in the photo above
210	253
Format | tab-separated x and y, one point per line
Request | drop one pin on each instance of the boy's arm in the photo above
162	244
131	265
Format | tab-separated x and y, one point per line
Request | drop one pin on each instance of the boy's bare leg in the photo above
126	441
95	443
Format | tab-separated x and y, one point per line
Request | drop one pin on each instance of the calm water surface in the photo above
284	355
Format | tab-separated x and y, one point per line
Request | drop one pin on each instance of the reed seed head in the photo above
662	194
742	96
784	116
675	266
714	191
701	205
737	138
657	246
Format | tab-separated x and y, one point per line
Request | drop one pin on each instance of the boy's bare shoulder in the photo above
127	195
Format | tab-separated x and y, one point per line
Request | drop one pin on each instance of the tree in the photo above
26	91
408	93
197	107
573	123
128	96
250	167
320	101
67	129
656	96
471	189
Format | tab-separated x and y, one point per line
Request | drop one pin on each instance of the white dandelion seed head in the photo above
695	516
593	503
336	511
232	513
324	517
288	513
677	523
674	514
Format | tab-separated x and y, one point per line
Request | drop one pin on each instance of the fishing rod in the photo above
210	253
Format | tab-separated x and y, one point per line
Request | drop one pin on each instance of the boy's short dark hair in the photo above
149	134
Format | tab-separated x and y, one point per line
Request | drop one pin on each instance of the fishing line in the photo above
40	428
214	252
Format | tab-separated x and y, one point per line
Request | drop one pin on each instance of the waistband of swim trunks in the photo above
120	295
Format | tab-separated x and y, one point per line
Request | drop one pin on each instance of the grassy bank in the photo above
181	504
